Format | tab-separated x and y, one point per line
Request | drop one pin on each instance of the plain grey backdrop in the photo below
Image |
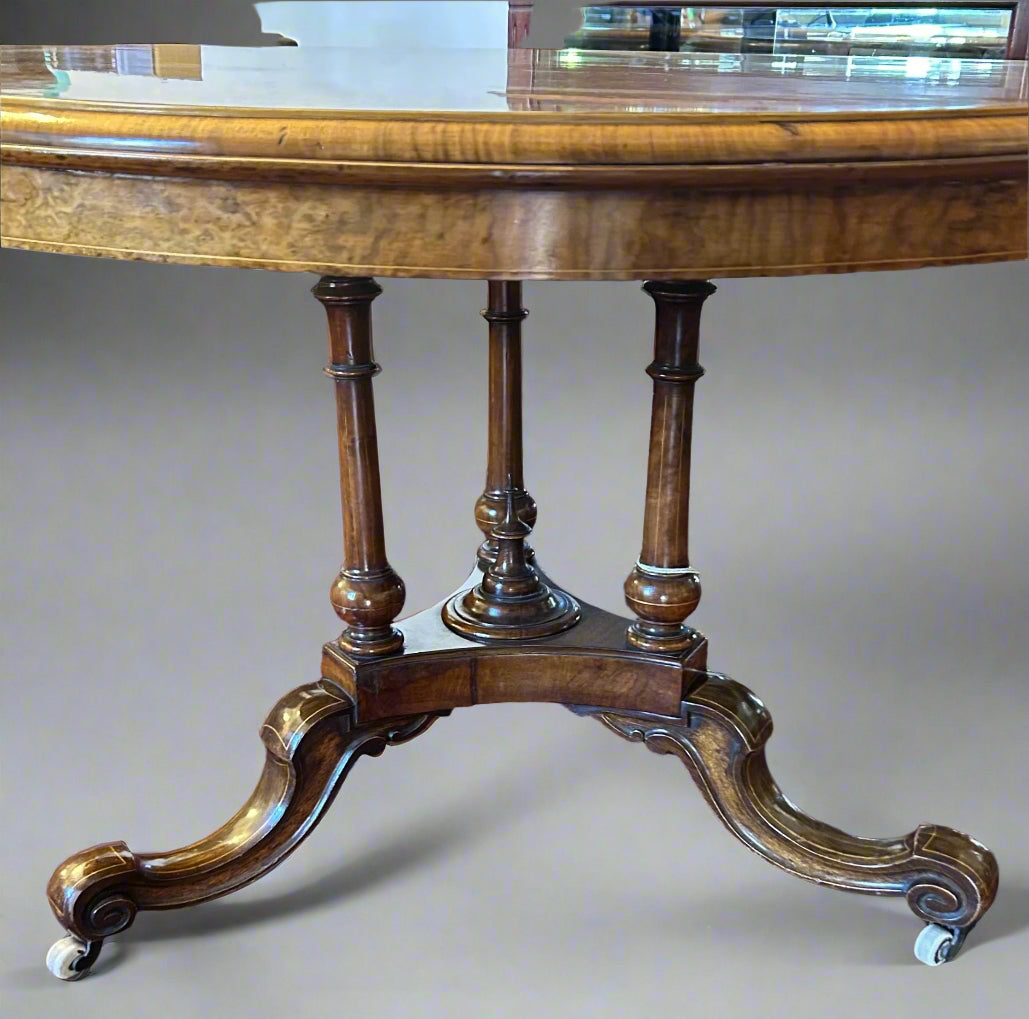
170	527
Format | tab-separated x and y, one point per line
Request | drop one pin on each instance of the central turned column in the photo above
367	595
512	602
663	589
505	315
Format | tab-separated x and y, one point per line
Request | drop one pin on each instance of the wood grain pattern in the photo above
311	746
512	602
568	180
947	877
368	594
782	227
440	669
295	144
505	314
662	588
552	187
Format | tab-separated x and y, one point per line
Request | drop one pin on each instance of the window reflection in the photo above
965	32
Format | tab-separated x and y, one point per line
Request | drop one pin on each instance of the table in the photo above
506	166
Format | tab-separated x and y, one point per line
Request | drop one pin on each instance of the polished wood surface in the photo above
368	594
624	167
648	678
505	314
840	219
699	167
663	589
512	600
720	734
441	668
225	81
311	744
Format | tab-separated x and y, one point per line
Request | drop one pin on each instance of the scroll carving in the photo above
947	877
311	745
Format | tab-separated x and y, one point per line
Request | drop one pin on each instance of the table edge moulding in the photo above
682	195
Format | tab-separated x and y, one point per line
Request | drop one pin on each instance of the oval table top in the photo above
513	164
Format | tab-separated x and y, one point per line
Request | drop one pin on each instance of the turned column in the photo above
367	595
512	602
663	589
504	455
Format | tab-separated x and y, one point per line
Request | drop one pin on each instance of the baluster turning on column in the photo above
367	595
663	589
504	456
512	602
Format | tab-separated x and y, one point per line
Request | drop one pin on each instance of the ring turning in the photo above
666	571
512	602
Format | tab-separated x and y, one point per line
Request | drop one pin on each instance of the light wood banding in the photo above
608	171
471	234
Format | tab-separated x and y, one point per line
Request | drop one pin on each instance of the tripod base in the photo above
715	726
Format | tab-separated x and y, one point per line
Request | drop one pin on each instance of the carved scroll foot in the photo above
311	744
948	878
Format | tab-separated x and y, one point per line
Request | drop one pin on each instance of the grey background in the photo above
168	504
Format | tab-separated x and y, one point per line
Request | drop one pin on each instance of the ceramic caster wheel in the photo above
71	957
936	945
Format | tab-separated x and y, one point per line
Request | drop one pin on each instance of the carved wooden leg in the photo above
948	878
367	595
311	744
662	588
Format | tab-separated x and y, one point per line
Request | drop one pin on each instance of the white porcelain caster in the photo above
70	958
936	945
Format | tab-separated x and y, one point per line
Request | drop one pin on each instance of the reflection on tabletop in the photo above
501	80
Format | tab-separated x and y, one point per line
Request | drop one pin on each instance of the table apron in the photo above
787	228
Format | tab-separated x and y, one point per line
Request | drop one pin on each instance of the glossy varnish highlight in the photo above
556	175
698	167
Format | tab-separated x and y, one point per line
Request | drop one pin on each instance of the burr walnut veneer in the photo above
506	166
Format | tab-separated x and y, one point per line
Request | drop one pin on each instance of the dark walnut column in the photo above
512	602
663	589
504	458
367	595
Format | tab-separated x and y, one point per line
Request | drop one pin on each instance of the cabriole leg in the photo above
948	878
310	742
